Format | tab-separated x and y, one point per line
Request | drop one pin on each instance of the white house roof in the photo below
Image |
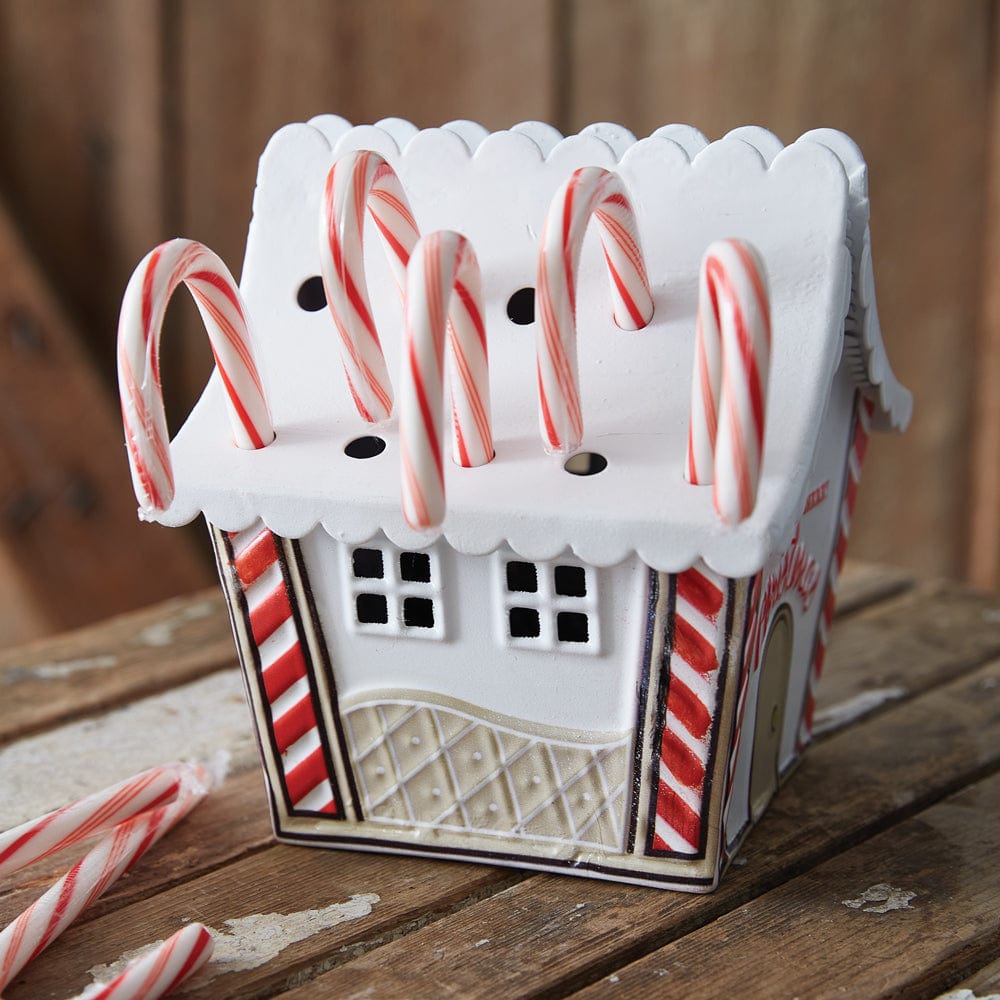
805	208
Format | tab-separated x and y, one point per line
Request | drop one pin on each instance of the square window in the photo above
373	609
415	567
524	623
522	578
367	564
571	581
571	626
418	612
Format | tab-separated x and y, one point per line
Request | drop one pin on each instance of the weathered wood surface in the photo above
900	791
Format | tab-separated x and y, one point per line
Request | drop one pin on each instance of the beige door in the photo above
772	694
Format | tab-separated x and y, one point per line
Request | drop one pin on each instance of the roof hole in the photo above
585	463
311	295
365	447
521	307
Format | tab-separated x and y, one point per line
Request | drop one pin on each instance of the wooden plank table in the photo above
873	874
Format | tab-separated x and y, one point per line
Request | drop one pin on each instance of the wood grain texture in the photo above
67	513
84	157
910	83
244	70
983	983
132	656
936	872
983	566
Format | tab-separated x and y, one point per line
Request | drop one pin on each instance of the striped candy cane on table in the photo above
362	181
160	971
117	850
145	302
591	192
442	289
729	388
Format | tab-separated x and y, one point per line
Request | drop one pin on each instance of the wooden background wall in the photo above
124	122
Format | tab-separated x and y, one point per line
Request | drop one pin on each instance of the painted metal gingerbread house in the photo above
589	642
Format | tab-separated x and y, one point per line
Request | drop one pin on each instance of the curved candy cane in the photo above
591	191
218	299
731	365
358	181
119	848
443	270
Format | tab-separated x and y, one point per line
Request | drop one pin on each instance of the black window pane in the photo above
571	626
368	564
418	612
522	578
372	609
571	581
415	567
524	623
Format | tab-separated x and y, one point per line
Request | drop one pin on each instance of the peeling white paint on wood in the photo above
967	995
162	633
206	720
844	713
249	942
57	670
881	898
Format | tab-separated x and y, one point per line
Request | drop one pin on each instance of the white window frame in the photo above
548	604
395	590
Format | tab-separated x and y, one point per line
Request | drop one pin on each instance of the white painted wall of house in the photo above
585	692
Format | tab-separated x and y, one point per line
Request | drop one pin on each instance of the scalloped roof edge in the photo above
863	334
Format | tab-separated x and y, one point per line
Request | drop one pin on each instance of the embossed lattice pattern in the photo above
426	765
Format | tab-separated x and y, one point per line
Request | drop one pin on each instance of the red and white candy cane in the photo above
39	838
598	193
160	971
443	289
731	366
360	181
116	851
145	302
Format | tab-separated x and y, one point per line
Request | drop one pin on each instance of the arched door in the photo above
772	695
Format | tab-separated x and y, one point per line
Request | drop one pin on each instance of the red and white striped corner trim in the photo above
695	672
284	675
855	460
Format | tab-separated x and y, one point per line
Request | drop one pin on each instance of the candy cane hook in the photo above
731	366
222	310
442	288
358	181
598	193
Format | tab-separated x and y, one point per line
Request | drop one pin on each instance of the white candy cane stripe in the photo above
161	971
222	310
598	193
360	181
284	672
729	387
113	854
442	290
699	635
40	838
855	459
